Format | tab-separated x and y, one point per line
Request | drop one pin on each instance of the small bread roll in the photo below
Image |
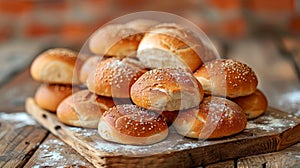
83	109
114	77
215	118
115	40
88	67
170	45
48	96
253	105
56	66
227	78
167	89
130	124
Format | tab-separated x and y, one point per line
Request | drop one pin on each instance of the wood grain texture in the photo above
14	93
20	136
55	153
263	135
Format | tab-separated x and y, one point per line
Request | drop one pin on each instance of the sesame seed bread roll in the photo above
88	67
215	118
115	40
83	109
114	77
167	89
56	66
48	96
227	78
130	124
170	45
253	105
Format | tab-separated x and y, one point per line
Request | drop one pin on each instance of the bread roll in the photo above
56	66
115	40
167	89
49	96
83	109
215	118
130	124
114	77
88	67
227	78
253	105
170	45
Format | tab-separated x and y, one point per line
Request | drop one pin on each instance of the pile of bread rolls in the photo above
145	77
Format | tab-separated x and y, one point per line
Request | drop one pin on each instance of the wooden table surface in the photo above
24	143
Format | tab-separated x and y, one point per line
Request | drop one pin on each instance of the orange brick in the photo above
233	28
16	6
61	5
75	32
294	24
38	29
5	32
271	5
130	4
225	4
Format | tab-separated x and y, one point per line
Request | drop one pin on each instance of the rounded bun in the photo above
56	66
115	40
169	45
114	77
167	89
83	109
227	78
130	124
253	105
48	96
88	67
215	118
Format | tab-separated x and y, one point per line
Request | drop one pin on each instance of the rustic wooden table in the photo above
25	143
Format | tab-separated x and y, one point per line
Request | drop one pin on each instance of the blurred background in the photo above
248	30
70	22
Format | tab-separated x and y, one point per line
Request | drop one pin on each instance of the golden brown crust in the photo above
83	109
227	78
56	66
167	89
169	45
113	78
130	124
48	96
115	40
215	118
253	105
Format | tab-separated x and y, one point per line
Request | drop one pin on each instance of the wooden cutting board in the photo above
273	131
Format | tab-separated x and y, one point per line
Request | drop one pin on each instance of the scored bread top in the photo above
216	117
227	77
114	77
167	89
115	40
56	66
170	45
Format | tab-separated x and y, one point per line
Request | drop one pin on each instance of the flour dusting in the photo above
54	153
269	123
18	119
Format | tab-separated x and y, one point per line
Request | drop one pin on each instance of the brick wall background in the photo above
70	22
